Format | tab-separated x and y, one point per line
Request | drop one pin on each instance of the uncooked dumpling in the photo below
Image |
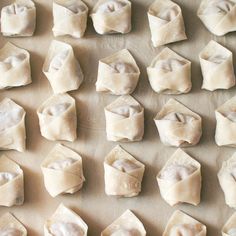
106	13
18	19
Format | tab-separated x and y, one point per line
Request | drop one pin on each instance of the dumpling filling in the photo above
216	59
66	229
125	232
126	111
231	116
75	7
169	65
232	232
122	67
61	164
15	9
218	6
9	118
178	116
186	230
176	172
56	110
125	165
11	61
58	60
10	232
6	177
110	6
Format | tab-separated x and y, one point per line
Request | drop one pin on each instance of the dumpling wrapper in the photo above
62	68
229	229
217	67
64	220
227	180
118	74
57	118
225	134
180	179
124	120
14	66
183	224
123	173
177	125
166	22
11	184
12	126
70	18
10	226
18	19
112	16
63	171
218	16
127	223
170	73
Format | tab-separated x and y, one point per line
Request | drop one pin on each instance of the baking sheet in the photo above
91	203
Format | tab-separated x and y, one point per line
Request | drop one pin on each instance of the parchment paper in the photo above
91	203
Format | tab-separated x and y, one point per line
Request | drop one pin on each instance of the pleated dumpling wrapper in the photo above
12	126
170	73
218	16
118	74
62	171
57	118
227	180
11	183
14	66
180	179
112	16
62	68
225	134
177	125
217	67
70	18
123	173
183	224
166	22
10	226
229	229
18	19
65	222
124	120
127	224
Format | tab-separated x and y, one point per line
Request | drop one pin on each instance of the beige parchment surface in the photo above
91	203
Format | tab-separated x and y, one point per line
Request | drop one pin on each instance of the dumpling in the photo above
18	19
118	74
14	66
12	126
112	16
65	222
70	18
166	22
124	120
177	125
57	118
225	134
10	226
11	183
170	73
218	16
126	225
123	173
63	171
62	68
227	180
217	67
181	224
229	229
180	179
